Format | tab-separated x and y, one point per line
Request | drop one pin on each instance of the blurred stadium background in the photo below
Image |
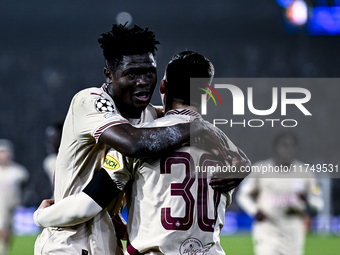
49	51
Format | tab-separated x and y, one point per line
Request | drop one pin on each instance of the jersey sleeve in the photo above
244	196
93	114
115	164
83	206
70	211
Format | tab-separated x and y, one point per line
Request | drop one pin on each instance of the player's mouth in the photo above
142	96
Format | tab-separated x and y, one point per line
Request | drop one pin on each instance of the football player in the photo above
12	177
172	207
108	117
278	200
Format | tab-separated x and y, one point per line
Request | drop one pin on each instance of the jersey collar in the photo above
183	112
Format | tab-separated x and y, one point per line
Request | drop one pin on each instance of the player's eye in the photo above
131	75
151	72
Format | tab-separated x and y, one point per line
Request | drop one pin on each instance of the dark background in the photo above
49	51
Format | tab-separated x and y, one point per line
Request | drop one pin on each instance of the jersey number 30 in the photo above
183	189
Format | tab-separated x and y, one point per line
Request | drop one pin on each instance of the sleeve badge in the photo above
111	163
104	105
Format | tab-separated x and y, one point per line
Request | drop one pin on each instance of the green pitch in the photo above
315	245
233	245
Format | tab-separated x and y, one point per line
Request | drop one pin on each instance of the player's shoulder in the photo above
90	92
94	99
165	121
153	111
18	166
156	109
19	170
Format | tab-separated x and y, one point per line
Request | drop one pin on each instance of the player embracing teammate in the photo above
193	214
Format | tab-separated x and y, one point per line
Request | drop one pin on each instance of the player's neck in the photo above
180	106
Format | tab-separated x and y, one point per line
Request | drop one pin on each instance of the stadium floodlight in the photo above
297	13
124	17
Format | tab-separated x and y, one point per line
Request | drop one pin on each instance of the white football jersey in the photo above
171	207
11	178
81	154
278	197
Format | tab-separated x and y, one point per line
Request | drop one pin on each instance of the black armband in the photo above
102	189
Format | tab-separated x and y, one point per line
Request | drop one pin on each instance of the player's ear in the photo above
108	75
162	87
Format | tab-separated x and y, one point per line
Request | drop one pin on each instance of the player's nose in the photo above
142	80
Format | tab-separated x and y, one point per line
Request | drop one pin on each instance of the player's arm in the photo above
146	142
78	208
237	159
245	196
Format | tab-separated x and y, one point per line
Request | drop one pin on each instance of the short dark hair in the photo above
182	67
122	41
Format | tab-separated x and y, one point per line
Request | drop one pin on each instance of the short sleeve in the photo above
93	113
116	166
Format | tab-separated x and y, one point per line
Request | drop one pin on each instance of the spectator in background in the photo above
12	176
53	138
278	201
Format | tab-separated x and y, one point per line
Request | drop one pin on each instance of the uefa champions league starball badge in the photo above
103	105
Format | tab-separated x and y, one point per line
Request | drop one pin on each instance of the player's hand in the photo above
302	196
46	203
208	134
224	182
260	216
213	138
294	211
238	161
224	185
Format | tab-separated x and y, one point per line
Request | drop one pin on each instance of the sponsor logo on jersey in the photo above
111	163
109	115
104	105
193	246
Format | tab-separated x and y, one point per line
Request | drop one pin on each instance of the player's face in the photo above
286	150
5	157
133	84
